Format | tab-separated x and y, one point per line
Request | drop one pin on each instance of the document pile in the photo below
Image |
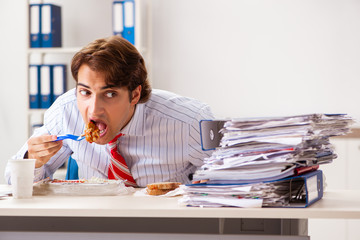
259	152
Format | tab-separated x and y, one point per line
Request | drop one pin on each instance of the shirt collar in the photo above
135	127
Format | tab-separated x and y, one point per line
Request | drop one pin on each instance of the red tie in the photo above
118	168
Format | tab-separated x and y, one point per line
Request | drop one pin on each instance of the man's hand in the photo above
42	148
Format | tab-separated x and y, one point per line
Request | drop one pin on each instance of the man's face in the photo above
109	106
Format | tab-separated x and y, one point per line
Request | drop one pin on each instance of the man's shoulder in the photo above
171	105
64	107
68	97
173	99
65	101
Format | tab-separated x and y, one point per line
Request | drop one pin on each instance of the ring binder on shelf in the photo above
124	19
46	86
51	35
34	86
35	25
59	80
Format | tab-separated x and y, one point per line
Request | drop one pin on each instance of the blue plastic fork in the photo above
69	136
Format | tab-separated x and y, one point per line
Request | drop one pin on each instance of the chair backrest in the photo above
72	172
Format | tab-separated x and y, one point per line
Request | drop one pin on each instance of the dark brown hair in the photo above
119	60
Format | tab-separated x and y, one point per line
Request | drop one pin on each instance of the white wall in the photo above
13	92
251	58
260	57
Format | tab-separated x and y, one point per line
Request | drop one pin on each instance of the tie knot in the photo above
113	142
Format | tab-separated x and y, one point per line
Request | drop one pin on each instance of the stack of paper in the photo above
297	191
263	149
263	153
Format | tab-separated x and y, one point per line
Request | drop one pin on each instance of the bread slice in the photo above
163	185
157	191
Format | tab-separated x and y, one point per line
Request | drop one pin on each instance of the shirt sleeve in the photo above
52	125
39	173
196	154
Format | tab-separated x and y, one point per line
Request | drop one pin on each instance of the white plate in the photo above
90	187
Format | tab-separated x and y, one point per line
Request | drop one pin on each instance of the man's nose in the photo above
97	105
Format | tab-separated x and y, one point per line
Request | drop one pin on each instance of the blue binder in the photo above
124	19
51	34
35	25
209	133
59	80
304	190
46	88
312	189
34	86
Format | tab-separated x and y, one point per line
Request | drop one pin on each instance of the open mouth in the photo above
101	126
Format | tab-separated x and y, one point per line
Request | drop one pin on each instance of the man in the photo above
161	139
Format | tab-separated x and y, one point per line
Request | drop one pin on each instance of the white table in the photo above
106	213
335	204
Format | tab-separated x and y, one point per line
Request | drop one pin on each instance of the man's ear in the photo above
135	95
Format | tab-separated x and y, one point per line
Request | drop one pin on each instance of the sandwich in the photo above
160	188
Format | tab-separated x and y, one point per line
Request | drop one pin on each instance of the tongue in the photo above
101	126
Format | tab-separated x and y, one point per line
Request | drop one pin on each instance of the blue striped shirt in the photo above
161	141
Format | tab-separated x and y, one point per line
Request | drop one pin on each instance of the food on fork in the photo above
161	188
92	132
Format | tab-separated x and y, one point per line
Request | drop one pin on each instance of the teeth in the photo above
101	131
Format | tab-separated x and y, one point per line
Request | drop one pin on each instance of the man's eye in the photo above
110	94
83	92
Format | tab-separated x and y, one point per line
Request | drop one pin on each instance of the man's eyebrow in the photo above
104	87
109	86
81	84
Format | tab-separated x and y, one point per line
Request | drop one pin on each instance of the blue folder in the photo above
312	188
35	25
51	34
34	86
124	19
59	80
305	189
46	88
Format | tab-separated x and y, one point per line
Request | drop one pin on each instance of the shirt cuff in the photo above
39	173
